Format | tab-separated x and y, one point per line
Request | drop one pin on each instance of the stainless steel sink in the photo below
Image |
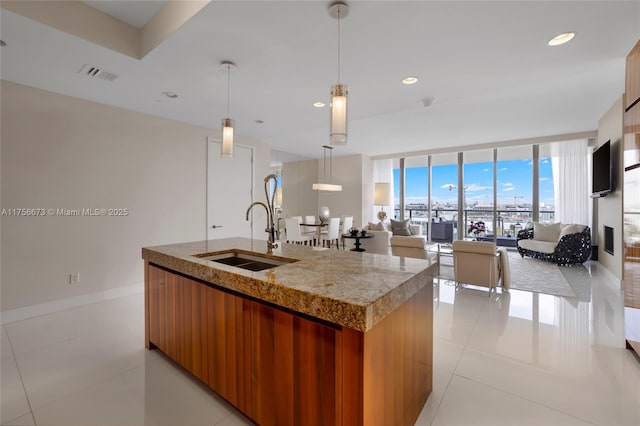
245	260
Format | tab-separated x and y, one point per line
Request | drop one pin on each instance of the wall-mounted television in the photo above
603	182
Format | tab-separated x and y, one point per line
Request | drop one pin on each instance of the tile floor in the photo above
516	358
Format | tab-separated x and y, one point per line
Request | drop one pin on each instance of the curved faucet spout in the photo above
257	203
270	208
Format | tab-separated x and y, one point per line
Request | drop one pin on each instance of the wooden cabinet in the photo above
229	350
631	200
632	77
281	368
295	369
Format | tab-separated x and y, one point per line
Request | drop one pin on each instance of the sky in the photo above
514	179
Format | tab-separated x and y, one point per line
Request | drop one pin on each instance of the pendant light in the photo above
324	186
338	126
226	151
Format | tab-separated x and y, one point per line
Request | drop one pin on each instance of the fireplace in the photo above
608	239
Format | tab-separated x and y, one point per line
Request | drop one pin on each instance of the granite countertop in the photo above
355	290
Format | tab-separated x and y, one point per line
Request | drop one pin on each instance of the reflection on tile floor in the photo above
514	358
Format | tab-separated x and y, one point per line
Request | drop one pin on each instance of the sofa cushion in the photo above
539	246
569	229
544	232
407	241
481	247
401	228
377	226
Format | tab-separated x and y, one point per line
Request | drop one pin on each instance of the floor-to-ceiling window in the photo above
416	197
514	171
546	194
498	191
477	193
444	189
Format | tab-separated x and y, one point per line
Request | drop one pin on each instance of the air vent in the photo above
99	73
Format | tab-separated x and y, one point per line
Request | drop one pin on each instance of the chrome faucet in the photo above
270	208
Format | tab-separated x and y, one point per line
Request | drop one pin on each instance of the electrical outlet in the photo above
74	278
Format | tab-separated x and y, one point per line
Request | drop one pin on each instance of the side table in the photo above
357	237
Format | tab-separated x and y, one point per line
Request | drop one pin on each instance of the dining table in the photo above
319	227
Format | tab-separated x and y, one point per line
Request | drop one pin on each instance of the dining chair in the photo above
293	232
333	233
347	223
310	230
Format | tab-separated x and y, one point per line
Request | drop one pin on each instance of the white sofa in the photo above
564	244
381	241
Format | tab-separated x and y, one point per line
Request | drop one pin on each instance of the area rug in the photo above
528	274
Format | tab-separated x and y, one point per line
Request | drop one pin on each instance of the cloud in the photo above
485	170
509	188
476	187
449	186
543	179
503	169
545	161
507	184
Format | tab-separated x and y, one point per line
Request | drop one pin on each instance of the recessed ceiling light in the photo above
171	95
318	104
258	121
410	80
561	39
2	43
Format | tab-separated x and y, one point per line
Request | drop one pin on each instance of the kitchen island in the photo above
328	337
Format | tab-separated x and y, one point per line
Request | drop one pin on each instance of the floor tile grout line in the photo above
24	389
106	379
526	399
444	394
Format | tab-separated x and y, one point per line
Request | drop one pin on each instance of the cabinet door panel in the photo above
162	310
191	327
293	368
228	342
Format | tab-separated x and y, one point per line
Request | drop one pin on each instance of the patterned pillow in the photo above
401	228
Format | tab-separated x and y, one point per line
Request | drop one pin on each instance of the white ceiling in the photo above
487	64
135	13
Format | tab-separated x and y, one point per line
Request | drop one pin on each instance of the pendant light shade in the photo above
226	151
324	186
227	139
338	125
338	132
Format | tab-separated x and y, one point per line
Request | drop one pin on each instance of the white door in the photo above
229	191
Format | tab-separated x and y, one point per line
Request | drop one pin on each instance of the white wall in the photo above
353	172
347	171
61	152
298	199
609	208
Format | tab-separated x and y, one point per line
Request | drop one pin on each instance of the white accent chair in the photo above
480	263
333	233
294	235
311	231
413	246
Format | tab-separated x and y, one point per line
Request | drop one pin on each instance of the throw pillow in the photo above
570	229
401	228
376	226
546	232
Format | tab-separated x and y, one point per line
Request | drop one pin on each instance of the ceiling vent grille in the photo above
99	73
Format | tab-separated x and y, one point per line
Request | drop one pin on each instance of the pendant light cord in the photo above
228	86
339	10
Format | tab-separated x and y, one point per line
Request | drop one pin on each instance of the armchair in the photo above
480	263
409	246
